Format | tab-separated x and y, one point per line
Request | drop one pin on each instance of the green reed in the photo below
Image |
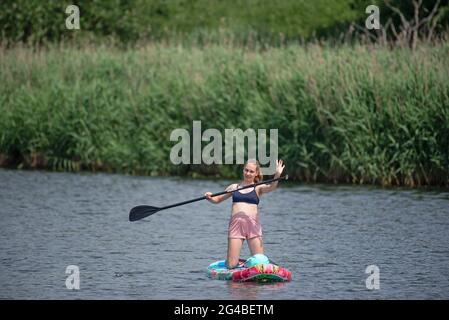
355	114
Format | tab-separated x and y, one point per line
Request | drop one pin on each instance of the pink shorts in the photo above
242	226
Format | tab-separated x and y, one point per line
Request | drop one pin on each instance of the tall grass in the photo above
357	114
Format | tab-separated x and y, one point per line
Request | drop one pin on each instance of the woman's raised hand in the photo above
279	168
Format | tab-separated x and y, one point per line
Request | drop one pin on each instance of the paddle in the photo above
144	211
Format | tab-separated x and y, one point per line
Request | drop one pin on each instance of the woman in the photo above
244	223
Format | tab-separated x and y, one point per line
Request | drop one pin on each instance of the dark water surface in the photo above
326	236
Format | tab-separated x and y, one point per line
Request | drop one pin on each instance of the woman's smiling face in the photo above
250	172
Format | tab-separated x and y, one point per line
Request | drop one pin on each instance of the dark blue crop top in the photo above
250	197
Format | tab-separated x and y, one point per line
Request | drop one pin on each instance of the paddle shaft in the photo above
224	192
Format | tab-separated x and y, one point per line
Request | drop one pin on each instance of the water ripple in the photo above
325	235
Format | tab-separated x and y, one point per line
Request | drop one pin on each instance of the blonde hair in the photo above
259	176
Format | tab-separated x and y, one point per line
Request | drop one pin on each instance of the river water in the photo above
326	236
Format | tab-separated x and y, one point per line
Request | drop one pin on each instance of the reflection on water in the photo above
325	235
253	290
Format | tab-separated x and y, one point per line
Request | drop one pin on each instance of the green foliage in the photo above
354	114
195	22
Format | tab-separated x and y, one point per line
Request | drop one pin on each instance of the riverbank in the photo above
353	114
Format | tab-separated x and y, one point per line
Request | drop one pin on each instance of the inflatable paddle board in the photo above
244	271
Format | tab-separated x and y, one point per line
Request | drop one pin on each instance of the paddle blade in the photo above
141	212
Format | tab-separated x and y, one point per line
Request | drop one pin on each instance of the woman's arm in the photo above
264	188
222	197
